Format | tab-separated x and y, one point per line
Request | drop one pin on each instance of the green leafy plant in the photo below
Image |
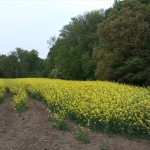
81	135
103	146
1	99
59	120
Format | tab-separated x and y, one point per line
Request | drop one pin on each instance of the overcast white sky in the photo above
28	24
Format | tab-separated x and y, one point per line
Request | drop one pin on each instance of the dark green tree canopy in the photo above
144	1
124	44
21	63
71	56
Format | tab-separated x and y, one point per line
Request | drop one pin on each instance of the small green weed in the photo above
1	99
59	120
81	135
103	146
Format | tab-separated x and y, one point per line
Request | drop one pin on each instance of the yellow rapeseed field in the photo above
105	106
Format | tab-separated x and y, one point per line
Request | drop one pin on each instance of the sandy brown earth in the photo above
33	131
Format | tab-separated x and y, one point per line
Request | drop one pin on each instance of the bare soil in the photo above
33	131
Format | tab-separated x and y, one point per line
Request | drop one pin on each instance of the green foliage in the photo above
81	135
59	120
144	1
21	63
120	54
130	71
1	100
70	56
8	66
124	44
103	146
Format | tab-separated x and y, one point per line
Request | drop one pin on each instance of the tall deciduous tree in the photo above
71	55
124	49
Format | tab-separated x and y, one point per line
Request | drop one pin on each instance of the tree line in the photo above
21	63
112	44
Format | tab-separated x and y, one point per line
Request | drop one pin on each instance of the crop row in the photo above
18	93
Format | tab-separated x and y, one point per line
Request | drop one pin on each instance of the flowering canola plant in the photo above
102	105
19	94
2	90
